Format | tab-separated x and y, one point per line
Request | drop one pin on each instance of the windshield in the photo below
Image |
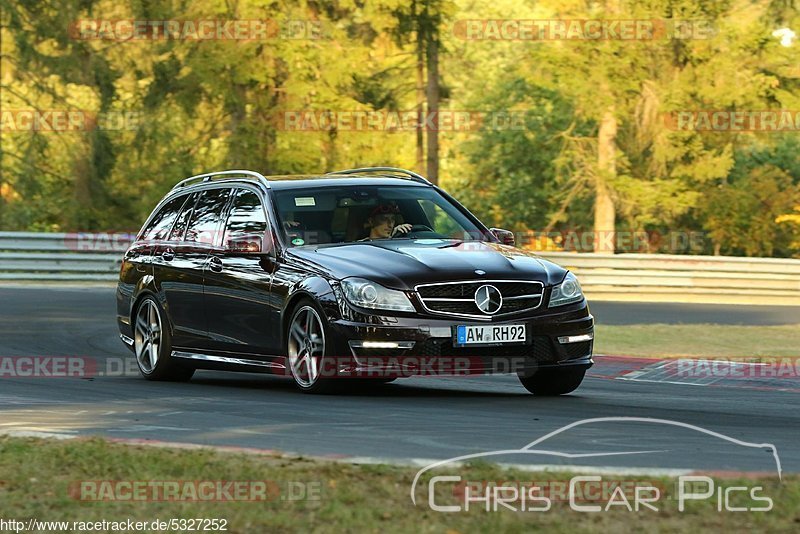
328	215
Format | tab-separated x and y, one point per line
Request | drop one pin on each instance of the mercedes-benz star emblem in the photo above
488	299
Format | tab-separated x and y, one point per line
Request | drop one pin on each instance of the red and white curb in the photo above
775	374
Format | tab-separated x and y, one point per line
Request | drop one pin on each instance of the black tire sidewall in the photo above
548	382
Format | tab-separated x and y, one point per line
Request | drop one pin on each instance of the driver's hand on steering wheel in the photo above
401	229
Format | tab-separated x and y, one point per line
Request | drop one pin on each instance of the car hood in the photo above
402	264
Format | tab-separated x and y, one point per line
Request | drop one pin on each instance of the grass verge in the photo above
37	478
698	340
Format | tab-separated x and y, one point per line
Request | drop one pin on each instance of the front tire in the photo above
553	382
307	349
152	344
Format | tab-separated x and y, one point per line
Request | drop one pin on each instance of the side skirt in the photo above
214	361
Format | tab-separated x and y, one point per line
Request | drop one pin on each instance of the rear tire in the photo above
152	344
553	382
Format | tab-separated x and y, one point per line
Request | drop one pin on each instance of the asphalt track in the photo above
419	418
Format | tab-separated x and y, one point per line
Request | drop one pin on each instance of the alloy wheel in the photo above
147	337
306	346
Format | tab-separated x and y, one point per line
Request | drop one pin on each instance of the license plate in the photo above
501	334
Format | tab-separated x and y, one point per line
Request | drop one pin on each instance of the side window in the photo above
247	219
161	223
183	219
205	220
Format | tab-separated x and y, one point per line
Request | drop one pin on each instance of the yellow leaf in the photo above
7	193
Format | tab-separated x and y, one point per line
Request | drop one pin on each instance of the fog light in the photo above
382	344
575	339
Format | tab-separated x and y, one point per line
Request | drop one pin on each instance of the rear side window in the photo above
205	220
183	219
161	223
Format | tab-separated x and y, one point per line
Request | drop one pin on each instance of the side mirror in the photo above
506	237
245	245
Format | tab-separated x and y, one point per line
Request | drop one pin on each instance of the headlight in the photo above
366	294
566	292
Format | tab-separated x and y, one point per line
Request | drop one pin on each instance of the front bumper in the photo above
408	346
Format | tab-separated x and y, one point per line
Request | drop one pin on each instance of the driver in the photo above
381	222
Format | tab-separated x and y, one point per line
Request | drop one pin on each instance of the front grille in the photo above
458	298
467	289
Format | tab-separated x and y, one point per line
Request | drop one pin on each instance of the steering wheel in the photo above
415	228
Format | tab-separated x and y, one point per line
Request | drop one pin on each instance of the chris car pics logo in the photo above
447	488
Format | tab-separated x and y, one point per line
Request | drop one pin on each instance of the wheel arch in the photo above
317	289
137	301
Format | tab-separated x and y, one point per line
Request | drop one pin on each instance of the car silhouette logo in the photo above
534	448
488	299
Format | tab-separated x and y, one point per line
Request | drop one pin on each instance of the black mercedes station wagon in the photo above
360	275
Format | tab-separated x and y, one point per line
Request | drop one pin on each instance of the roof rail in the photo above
384	170
209	176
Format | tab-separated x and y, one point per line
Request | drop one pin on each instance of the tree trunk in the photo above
331	152
433	105
420	99
604	234
79	219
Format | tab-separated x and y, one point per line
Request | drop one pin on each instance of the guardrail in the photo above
682	278
30	256
26	256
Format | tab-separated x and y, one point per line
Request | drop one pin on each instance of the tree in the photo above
589	151
741	216
646	175
423	20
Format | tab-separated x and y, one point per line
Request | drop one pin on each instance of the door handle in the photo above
215	264
168	254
